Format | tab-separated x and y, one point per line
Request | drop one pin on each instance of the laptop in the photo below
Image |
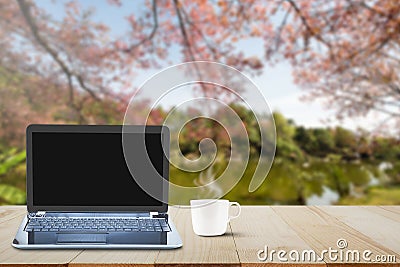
81	193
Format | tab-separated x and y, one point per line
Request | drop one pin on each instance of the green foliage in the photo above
8	193
10	159
394	174
285	128
386	148
305	139
12	195
345	140
252	128
288	149
317	142
375	196
324	140
285	144
308	161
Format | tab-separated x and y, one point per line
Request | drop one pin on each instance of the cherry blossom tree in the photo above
345	52
78	71
73	68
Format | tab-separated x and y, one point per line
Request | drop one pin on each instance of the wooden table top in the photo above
287	228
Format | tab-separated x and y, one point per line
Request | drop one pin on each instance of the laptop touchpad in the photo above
82	238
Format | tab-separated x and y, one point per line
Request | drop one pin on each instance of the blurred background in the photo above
328	69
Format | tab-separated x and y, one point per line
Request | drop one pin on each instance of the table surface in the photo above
374	228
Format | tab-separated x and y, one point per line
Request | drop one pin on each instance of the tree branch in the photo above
152	33
374	10
280	28
183	30
210	46
305	23
25	9
359	101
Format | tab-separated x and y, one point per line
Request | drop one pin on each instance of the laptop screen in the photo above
89	169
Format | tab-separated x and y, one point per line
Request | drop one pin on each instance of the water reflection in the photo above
290	183
327	198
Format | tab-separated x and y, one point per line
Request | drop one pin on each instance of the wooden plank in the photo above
196	250
119	257
385	213
115	257
10	255
10	212
322	231
366	220
288	228
8	230
394	209
260	226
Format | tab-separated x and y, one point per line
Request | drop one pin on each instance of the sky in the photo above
276	83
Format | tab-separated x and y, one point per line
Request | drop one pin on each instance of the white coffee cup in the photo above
210	217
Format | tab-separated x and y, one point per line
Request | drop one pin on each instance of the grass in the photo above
375	196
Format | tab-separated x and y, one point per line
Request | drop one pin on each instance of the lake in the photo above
319	182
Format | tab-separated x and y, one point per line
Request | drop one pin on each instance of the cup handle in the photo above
239	210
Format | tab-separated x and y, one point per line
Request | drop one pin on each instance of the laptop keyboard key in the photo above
65	224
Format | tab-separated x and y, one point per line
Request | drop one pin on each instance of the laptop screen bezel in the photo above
57	128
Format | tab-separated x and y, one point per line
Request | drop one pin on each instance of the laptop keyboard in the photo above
91	224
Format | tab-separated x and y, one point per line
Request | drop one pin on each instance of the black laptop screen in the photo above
89	169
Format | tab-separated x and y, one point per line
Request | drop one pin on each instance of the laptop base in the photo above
82	240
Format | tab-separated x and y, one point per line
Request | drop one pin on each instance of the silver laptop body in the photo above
81	193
